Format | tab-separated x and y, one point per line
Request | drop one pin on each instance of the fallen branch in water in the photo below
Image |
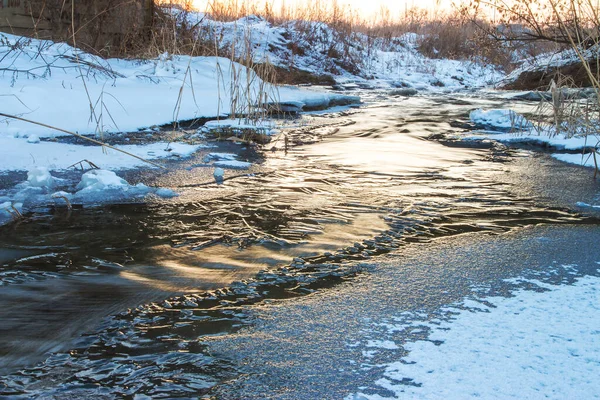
82	137
80	163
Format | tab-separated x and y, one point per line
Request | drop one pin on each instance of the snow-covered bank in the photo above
507	126
538	72
541	343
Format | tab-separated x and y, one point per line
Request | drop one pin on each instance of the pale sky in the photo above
368	7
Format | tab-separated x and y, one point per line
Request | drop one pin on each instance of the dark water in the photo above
125	297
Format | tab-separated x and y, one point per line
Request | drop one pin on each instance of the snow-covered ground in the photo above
18	155
55	84
543	342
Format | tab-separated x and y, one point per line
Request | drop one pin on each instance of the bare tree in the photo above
565	22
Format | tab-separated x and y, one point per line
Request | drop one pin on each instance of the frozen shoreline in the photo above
530	332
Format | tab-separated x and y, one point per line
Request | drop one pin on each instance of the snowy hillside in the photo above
317	48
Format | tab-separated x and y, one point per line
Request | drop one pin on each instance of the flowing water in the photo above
119	300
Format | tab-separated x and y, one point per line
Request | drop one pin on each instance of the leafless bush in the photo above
571	23
452	36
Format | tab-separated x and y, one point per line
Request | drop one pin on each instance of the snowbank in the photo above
225	160
102	186
40	177
506	126
545	64
585	159
18	154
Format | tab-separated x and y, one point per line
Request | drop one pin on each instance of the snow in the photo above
532	345
544	137
232	164
507	126
102	186
382	344
226	160
33	139
40	177
17	154
42	81
98	180
219	173
500	119
582	204
220	157
96	187
586	159
550	60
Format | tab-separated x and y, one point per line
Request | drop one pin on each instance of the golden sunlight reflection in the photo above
185	270
182	269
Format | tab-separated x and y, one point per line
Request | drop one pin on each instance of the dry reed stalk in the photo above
13	211
576	43
59	196
248	94
93	116
583	10
596	170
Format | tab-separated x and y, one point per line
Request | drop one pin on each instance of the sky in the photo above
369	7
